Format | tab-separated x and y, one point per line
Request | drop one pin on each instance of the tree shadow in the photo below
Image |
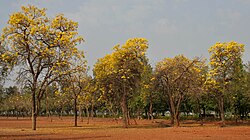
21	135
48	136
83	137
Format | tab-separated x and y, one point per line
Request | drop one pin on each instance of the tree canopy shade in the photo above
41	47
225	61
119	74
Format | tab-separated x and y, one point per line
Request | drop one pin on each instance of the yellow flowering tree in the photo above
6	61
73	82
178	77
41	47
224	60
87	98
147	90
119	74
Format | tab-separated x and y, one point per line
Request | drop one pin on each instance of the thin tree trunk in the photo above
236	116
128	117
75	110
46	105
17	115
151	111
61	114
34	115
92	111
200	114
87	111
80	113
147	114
138	114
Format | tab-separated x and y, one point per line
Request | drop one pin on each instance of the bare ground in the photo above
108	129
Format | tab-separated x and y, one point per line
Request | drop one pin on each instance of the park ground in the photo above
109	129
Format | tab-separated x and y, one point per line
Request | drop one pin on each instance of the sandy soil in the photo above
108	129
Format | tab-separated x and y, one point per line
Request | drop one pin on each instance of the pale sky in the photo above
172	27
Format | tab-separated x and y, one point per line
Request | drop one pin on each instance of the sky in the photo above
172	27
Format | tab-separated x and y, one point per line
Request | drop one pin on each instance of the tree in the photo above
178	77
120	73
239	94
225	61
6	62
148	90
74	82
87	98
41	47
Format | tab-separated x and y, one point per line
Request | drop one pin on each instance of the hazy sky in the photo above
172	27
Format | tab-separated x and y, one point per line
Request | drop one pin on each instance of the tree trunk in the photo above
17	115
202	116
172	119
34	115
80	113
124	111
200	112
222	112
75	110
147	114
46	105
92	111
175	111
87	111
151	111
176	119
138	114
172	111
128	117
61	114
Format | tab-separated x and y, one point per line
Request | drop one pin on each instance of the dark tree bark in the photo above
87	111
34	115
75	110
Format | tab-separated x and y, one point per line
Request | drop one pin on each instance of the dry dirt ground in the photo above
108	129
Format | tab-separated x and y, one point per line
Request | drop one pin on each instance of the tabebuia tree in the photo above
148	91
119	74
178	77
225	67
41	48
73	82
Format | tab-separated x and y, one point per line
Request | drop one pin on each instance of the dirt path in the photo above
106	129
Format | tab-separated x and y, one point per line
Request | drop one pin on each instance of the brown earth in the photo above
108	129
